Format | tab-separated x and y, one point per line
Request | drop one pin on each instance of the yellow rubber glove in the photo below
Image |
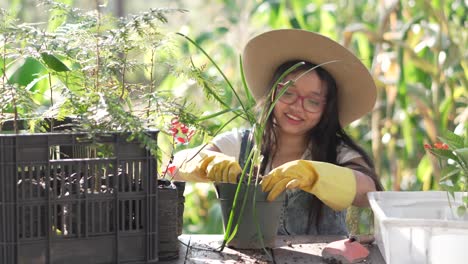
333	185
210	166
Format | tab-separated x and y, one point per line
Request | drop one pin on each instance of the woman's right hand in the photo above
210	166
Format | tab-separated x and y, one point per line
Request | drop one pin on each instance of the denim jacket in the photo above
303	213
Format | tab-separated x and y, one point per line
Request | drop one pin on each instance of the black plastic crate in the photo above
72	198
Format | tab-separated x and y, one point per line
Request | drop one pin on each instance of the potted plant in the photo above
428	226
92	186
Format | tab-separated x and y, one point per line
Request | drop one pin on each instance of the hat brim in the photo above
264	53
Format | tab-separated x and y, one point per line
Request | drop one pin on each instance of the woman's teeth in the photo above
293	117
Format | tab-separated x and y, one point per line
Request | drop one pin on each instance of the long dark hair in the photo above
326	136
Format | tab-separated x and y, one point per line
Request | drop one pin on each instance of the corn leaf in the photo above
54	63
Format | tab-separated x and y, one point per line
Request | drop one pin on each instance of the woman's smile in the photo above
294	119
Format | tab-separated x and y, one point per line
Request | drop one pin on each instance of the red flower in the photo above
181	140
440	145
175	121
171	168
190	134
427	146
174	131
180	132
184	129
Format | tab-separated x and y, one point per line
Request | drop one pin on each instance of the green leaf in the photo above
202	37
37	88
221	30
26	71
444	153
436	4
54	63
424	172
249	96
328	24
408	135
461	210
298	10
462	154
445	110
453	140
448	172
217	114
365	52
448	186
465	143
30	85
57	16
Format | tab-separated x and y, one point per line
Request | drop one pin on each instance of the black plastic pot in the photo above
180	186
258	220
171	207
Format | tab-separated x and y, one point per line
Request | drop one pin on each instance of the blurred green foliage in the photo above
201	215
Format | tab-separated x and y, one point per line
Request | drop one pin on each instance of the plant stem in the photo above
151	88
124	69
4	81
98	55
51	101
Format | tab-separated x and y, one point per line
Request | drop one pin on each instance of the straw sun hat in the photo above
264	53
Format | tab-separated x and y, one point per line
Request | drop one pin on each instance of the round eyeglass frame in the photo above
320	100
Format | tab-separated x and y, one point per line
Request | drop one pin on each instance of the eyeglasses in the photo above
311	104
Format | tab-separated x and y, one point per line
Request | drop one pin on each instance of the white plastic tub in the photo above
419	227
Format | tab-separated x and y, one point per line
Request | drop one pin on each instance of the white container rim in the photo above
410	198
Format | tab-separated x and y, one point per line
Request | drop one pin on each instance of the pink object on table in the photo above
345	251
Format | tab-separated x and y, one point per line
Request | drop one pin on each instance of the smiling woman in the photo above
313	87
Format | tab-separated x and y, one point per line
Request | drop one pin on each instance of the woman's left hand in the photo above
334	185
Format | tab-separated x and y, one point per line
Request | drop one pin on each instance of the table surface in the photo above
289	249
